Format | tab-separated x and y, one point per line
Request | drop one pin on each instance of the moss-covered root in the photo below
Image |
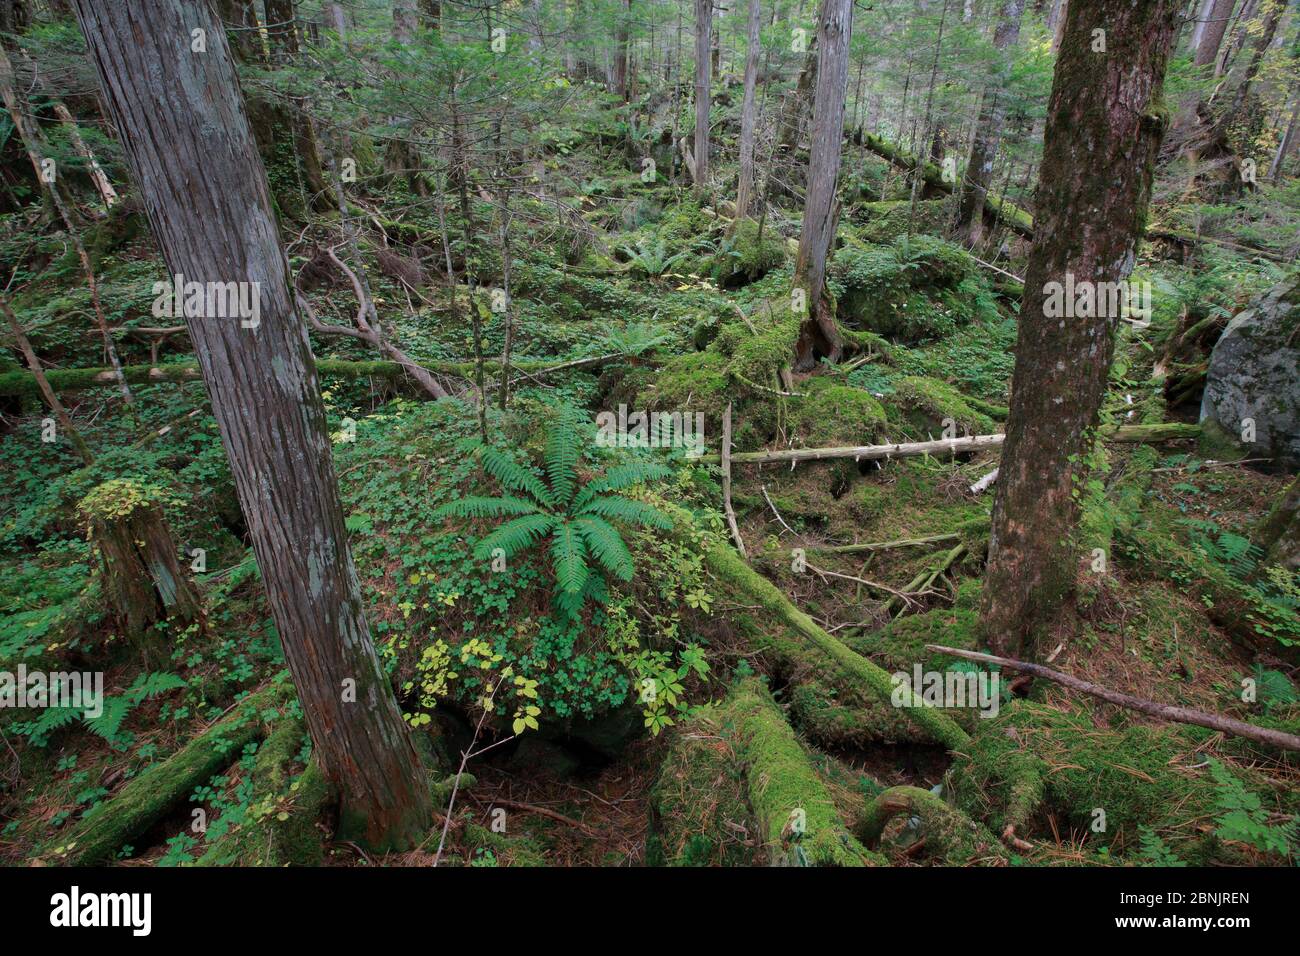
796	816
151	795
282	830
732	570
950	835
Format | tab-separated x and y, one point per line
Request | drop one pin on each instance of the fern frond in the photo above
51	720
151	685
625	509
514	476
569	558
477	506
109	723
562	448
514	536
606	545
624	476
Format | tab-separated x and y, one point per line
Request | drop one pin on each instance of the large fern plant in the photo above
575	517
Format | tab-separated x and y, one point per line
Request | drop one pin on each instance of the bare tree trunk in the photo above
703	29
216	225
1212	31
622	85
818	336
748	114
1099	154
988	129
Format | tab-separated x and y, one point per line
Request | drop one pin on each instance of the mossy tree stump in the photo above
143	579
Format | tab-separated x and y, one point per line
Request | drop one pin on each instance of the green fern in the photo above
575	517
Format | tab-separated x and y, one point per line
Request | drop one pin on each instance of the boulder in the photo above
1253	382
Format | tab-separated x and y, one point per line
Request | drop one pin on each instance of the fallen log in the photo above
948	833
1164	431
796	815
728	567
873	546
154	793
1169	712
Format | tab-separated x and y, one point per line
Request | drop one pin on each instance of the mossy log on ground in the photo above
732	570
796	815
949	834
995	206
164	786
283	832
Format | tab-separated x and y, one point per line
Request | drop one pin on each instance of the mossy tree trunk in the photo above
282	37
216	224
818	336
1105	122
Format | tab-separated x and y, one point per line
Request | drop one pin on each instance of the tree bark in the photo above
988	129
703	28
215	224
748	114
1100	144
818	336
1212	31
282	37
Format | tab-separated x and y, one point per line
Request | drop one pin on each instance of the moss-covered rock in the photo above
925	406
743	257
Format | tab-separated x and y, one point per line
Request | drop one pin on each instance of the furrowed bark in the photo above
818	336
1105	122
215	224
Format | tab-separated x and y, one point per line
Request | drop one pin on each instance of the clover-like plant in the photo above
575	516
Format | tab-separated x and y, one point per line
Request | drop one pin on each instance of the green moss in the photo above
744	258
700	813
924	406
949	835
795	811
886	221
901	643
1139	776
696	380
146	799
834	414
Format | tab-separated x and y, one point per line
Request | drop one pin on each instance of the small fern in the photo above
576	517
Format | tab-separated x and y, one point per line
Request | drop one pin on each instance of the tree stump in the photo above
143	578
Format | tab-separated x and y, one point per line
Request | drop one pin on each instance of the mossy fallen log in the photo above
281	830
995	206
728	567
164	786
949	834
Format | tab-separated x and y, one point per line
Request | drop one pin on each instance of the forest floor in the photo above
699	320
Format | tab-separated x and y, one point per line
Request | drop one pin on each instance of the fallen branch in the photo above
885	545
1164	431
985	483
727	509
1169	712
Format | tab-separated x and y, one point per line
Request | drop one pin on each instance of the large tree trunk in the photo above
818	335
1103	132
215	224
988	129
622	86
748	114
703	28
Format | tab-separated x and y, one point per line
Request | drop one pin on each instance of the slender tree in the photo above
748	112
1103	131
215	224
818	335
988	128
703	28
